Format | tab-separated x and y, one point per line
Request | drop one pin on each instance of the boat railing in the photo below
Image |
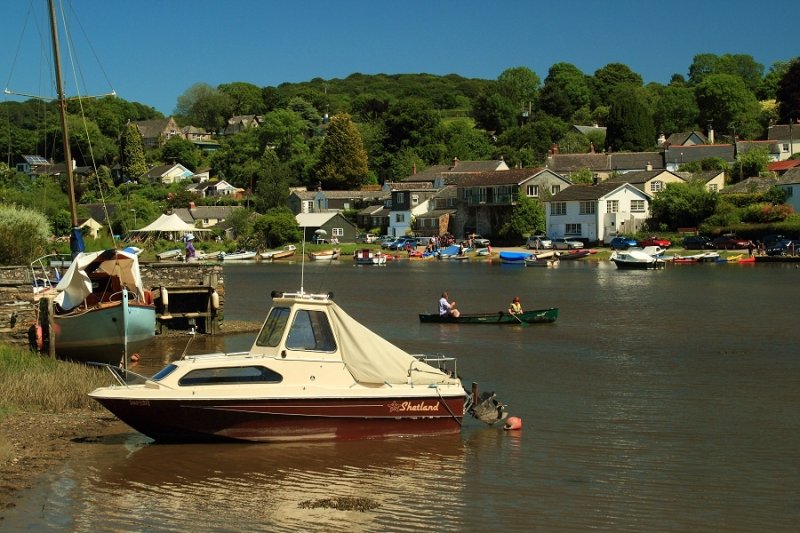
446	364
123	376
42	277
215	355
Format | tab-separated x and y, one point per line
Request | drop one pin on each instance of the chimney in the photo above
554	149
591	147
595	179
192	206
710	134
661	139
414	169
648	167
455	162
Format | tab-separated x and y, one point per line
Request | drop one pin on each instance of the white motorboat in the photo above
240	255
368	256
636	259
312	373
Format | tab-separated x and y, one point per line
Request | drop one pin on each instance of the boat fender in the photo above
36	337
513	423
215	300
135	358
164	296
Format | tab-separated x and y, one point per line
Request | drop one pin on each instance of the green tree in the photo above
495	113
237	159
724	100
582	175
342	162
204	106
179	150
527	216
608	78
132	154
742	66
273	182
675	110
24	235
520	85
788	93
682	205
244	98
750	163
630	123
277	227
564	92
768	89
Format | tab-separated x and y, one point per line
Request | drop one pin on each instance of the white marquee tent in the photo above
171	224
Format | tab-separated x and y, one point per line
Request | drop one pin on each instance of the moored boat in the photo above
636	260
551	261
325	255
539	316
312	373
273	255
239	255
166	255
574	254
513	258
368	256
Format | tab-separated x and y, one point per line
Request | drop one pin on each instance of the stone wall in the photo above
18	310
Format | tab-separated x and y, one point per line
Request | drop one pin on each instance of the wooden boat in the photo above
548	262
100	309
361	386
239	255
513	258
705	257
326	255
273	255
166	255
636	260
368	256
574	254
539	316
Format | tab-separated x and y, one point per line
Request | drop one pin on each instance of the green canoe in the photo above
539	316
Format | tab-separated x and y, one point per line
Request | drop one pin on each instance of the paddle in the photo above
515	316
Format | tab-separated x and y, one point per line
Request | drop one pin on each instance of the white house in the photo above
597	213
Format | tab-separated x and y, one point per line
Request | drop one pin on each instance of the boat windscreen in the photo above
272	331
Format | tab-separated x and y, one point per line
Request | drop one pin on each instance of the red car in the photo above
729	242
655	241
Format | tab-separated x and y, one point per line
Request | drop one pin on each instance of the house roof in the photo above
589	129
628	161
782	132
640	176
459	167
565	163
374	211
512	176
162	170
354	195
686	154
680	139
436	213
410	185
315	220
582	191
780	166
745	146
704	175
750	185
154	127
791	177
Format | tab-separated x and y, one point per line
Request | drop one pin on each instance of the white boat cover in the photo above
372	359
75	285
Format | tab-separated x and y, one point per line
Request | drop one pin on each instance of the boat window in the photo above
272	331
164	372
311	331
230	375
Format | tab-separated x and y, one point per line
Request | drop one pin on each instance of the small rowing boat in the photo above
539	316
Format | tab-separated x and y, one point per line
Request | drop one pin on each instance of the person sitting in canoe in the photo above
516	306
446	307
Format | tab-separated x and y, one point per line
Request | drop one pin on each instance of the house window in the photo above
555	189
656	186
532	191
785	147
558	208
713	187
414	199
400	217
572	229
587	208
789	191
637	206
612	206
346	205
337	232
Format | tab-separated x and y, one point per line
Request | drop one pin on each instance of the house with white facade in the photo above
597	213
650	181
166	174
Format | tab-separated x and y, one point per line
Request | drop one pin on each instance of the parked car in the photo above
566	244
731	242
539	242
479	241
622	243
655	241
698	242
402	242
783	247
769	240
367	238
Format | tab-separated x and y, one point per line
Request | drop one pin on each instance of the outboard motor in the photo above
487	408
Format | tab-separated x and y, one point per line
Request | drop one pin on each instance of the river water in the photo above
659	401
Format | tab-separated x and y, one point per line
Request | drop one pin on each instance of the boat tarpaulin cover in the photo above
372	359
75	286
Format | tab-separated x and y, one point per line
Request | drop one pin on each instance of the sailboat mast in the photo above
62	106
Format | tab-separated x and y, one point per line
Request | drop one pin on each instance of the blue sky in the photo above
152	51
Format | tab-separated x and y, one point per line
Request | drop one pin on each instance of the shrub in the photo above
24	235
